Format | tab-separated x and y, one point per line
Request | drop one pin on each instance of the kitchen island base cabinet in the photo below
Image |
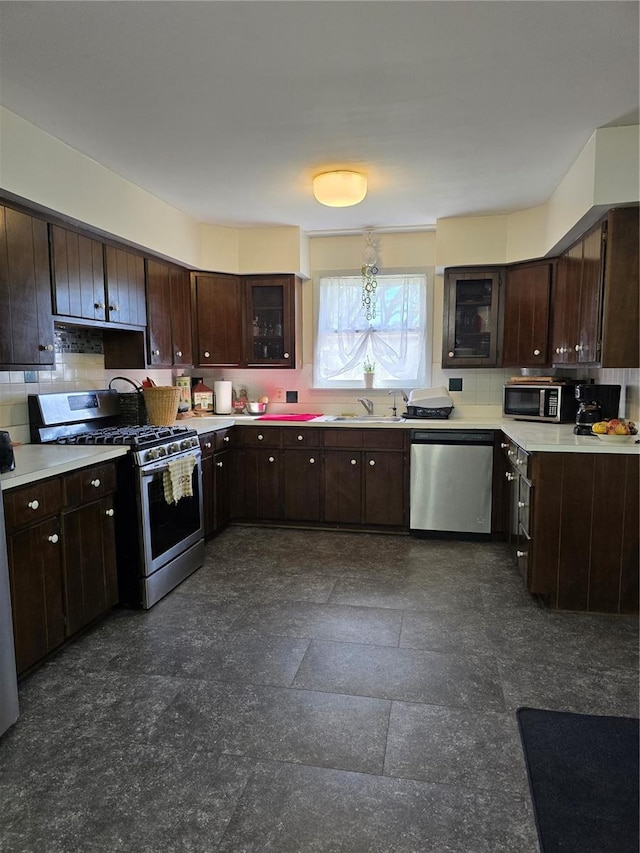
62	558
577	540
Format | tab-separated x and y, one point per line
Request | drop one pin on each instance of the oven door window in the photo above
170	524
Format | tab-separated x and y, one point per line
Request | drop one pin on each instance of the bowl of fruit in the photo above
616	430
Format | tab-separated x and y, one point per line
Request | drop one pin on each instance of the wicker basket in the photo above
133	411
162	404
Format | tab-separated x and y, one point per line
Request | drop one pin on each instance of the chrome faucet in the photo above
367	404
394	391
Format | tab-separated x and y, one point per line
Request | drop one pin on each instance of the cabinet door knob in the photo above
578	347
536	352
46	347
53	538
99	305
354	462
109	513
33	504
451	354
260	437
179	354
521	553
312	460
219	464
300	438
521	504
372	462
114	307
207	354
285	355
504	444
95	483
271	459
226	438
207	445
510	476
156	352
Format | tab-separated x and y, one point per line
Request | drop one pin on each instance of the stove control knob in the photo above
174	447
187	443
150	455
161	451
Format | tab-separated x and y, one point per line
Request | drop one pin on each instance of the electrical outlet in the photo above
292	396
455	384
280	395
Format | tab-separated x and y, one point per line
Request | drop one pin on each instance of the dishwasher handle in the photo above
452	436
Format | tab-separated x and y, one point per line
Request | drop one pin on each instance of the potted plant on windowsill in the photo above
369	370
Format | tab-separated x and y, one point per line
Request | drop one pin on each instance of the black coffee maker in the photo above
596	403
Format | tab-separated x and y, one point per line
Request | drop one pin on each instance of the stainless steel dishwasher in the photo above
451	475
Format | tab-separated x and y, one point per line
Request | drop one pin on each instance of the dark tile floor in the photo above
307	691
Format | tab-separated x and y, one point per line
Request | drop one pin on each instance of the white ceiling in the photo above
226	110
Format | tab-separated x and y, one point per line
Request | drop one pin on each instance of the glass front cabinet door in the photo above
472	317
271	318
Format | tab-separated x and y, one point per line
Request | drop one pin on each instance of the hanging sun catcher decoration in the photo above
369	273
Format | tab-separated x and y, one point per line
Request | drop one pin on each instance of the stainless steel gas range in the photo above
159	531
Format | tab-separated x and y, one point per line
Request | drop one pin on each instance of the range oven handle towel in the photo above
176	479
132	406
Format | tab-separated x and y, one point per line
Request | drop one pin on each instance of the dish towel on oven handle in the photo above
176	480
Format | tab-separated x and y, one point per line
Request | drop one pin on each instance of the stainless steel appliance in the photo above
450	481
553	402
595	403
159	542
8	680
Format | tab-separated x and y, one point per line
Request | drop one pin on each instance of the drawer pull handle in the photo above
33	504
109	513
521	553
354	462
207	445
510	476
504	445
300	438
372	462
219	464
207	354
156	352
312	460
226	438
260	437
521	504
179	354
271	459
95	483
53	538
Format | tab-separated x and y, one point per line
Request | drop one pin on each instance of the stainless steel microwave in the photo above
540	402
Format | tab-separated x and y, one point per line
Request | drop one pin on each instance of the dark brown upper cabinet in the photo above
26	322
125	287
472	321
216	301
77	263
168	316
526	315
595	304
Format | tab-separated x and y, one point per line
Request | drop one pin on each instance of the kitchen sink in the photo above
367	419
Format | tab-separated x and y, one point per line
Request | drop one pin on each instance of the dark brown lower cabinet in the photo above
302	485
37	593
222	484
343	486
384	488
258	484
582	552
90	574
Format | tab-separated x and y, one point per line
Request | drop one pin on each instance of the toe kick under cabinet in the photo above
62	559
573	521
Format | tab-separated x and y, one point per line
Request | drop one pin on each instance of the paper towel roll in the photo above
223	392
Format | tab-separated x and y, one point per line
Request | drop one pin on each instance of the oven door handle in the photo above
150	472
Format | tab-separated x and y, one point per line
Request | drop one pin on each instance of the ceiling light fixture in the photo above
340	189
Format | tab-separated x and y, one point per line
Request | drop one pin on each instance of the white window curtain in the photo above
395	340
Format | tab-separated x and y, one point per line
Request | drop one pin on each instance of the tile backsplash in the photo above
80	365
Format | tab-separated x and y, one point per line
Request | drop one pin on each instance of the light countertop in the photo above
39	461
